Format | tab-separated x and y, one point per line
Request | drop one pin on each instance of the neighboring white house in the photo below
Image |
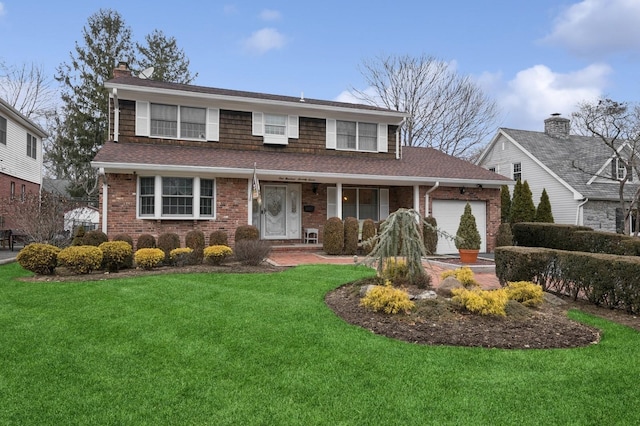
88	217
578	172
20	155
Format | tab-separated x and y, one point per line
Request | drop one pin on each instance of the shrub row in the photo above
603	279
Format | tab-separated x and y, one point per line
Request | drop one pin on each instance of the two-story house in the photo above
580	173
182	157
20	158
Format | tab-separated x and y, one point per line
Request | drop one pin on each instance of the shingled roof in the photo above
574	159
417	165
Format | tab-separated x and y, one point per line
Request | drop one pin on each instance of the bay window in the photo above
176	197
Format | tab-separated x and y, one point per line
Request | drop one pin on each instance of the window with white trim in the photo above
517	171
361	203
351	135
176	197
3	130
171	120
619	171
275	129
32	146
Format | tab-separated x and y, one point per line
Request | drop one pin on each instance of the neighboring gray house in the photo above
580	173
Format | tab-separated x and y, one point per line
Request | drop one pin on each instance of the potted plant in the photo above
467	237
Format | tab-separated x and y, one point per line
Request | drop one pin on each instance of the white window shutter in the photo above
332	210
213	124
383	138
384	203
292	131
331	134
257	128
142	118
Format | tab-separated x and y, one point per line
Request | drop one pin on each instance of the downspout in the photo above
578	210
116	115
398	156
105	199
426	198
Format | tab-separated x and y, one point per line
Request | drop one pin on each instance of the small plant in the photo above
218	238
467	236
167	242
464	274
148	258
215	255
483	302
181	256
525	292
333	236
81	259
430	234
94	238
146	241
39	258
195	240
387	299
252	253
351	231
247	232
116	254
395	270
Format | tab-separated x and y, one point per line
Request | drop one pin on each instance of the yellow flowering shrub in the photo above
483	302
148	258
214	255
387	299
116	254
181	256
81	259
39	258
395	269
464	275
525	292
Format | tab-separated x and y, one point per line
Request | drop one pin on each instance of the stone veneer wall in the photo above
600	215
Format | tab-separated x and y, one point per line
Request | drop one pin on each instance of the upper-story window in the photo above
32	146
175	121
356	136
3	130
619	171
517	171
176	197
274	128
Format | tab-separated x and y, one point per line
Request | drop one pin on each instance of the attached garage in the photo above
447	214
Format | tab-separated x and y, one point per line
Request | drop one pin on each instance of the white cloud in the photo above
270	15
536	92
230	9
595	28
264	40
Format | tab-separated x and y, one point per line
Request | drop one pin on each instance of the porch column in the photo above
105	203
416	198
339	200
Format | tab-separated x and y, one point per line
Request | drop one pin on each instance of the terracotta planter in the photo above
468	256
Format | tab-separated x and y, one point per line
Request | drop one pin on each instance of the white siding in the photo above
563	206
15	161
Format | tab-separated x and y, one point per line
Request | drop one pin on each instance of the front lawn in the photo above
264	349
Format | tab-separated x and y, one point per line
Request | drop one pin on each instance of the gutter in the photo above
578	210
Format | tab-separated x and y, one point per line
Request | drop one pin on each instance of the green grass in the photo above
264	349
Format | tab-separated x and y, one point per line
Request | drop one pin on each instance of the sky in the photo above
533	57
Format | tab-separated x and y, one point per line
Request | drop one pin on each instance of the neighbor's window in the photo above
517	171
361	203
356	136
164	120
3	130
23	192
619	171
492	169
12	190
179	197
32	146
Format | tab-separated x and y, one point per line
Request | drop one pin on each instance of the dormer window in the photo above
619	171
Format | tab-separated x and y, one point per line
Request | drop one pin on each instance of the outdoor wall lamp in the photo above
462	190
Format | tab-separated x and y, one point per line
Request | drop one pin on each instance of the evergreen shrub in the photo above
148	258
195	241
181	256
247	232
116	255
81	259
94	238
504	237
483	302
219	238
368	235
39	258
467	235
387	299
333	236
215	255
351	231
167	242
430	234
146	241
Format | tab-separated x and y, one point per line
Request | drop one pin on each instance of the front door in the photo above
280	218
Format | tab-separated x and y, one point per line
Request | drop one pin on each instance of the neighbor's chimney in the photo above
557	126
122	70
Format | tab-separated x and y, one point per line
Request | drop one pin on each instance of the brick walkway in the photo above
487	280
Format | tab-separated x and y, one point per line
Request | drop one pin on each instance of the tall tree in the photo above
543	211
447	111
505	204
522	208
81	129
28	89
616	125
168	61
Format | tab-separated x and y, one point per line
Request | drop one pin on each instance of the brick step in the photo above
280	248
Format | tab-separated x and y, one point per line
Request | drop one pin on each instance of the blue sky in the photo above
534	57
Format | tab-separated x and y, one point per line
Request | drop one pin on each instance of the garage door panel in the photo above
447	214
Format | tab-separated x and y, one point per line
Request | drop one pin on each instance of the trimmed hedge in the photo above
333	236
246	232
549	235
81	259
603	279
195	241
94	238
39	258
368	233
116	255
218	238
351	231
146	241
167	242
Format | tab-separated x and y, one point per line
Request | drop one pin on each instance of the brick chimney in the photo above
557	126
122	70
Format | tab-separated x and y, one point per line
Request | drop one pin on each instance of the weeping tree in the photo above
400	235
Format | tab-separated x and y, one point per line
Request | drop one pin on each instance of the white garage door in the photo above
447	214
